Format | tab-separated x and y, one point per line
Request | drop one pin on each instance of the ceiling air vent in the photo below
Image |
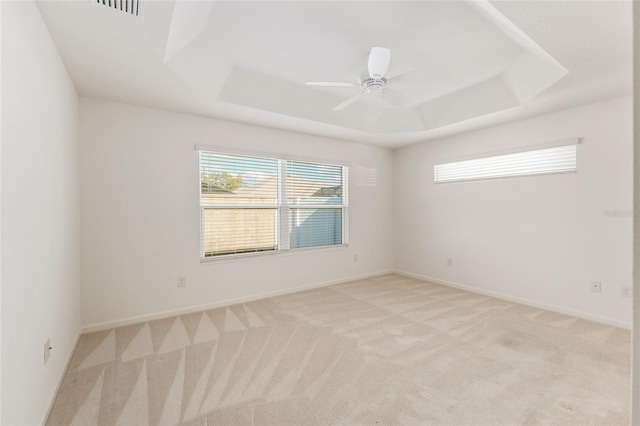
132	7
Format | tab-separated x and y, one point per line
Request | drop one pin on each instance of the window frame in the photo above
290	207
282	207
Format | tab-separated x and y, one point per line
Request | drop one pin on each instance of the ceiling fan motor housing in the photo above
374	84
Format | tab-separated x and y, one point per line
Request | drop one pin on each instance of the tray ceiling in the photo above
249	61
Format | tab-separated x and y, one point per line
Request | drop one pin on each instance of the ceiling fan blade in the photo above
379	59
394	98
330	84
419	75
349	101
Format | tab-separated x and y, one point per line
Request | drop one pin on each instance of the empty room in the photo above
317	213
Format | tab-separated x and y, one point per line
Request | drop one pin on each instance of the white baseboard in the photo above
190	309
532	303
64	372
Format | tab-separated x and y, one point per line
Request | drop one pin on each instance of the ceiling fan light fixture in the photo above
379	59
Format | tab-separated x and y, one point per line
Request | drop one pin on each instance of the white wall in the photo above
40	208
541	239
0	222
139	178
635	339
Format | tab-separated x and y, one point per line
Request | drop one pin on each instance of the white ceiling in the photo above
248	61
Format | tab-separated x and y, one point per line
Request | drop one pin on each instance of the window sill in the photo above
265	254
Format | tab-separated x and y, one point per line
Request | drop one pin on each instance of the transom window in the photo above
559	158
258	204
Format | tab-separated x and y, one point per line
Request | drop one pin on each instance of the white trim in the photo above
201	210
528	302
554	144
241	256
240	206
282	215
315	249
315	206
345	204
187	310
223	150
64	373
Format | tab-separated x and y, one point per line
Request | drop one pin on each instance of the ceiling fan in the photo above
375	80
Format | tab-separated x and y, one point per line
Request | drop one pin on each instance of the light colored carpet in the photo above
385	350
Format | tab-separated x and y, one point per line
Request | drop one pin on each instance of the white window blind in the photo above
557	159
257	204
315	198
239	204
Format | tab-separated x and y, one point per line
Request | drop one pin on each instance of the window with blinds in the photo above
239	204
257	204
557	159
315	204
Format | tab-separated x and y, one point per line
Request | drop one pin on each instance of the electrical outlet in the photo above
355	257
626	291
182	281
47	350
596	286
449	262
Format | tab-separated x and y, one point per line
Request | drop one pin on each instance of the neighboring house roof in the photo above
298	188
329	191
268	188
214	189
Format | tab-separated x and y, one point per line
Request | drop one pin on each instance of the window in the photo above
561	158
315	204
258	204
